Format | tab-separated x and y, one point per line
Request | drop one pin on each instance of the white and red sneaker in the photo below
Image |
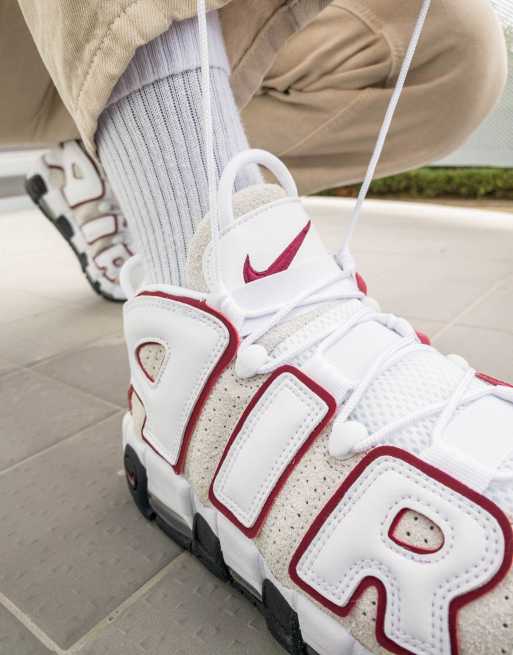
310	449
68	188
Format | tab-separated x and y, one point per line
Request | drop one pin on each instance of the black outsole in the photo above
36	188
137	482
282	621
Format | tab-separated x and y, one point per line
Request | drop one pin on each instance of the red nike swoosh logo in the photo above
281	263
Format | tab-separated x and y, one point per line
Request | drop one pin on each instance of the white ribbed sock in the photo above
150	141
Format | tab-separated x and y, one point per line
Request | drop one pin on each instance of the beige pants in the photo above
323	98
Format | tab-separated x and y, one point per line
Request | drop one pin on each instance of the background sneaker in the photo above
67	186
351	480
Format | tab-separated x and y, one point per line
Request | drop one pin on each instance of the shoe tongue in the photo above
271	252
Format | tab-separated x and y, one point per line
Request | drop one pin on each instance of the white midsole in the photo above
58	206
320	630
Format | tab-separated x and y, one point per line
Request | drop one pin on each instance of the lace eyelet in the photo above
460	362
250	360
345	437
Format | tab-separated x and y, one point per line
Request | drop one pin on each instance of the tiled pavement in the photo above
80	570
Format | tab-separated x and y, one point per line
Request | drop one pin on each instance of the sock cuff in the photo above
175	51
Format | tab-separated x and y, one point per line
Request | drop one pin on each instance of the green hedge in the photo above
492	183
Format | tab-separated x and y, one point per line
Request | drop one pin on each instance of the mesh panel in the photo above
416	381
300	329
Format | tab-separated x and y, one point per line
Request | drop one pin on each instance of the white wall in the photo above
492	144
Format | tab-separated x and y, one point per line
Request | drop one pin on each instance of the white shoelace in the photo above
464	393
409	344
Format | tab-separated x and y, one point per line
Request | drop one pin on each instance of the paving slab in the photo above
73	545
489	351
36	259
492	204
423	261
15	639
26	233
85	369
189	612
53	272
494	311
28	341
435	289
20	304
406	228
38	412
6	366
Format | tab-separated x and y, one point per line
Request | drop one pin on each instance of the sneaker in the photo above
68	188
355	483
